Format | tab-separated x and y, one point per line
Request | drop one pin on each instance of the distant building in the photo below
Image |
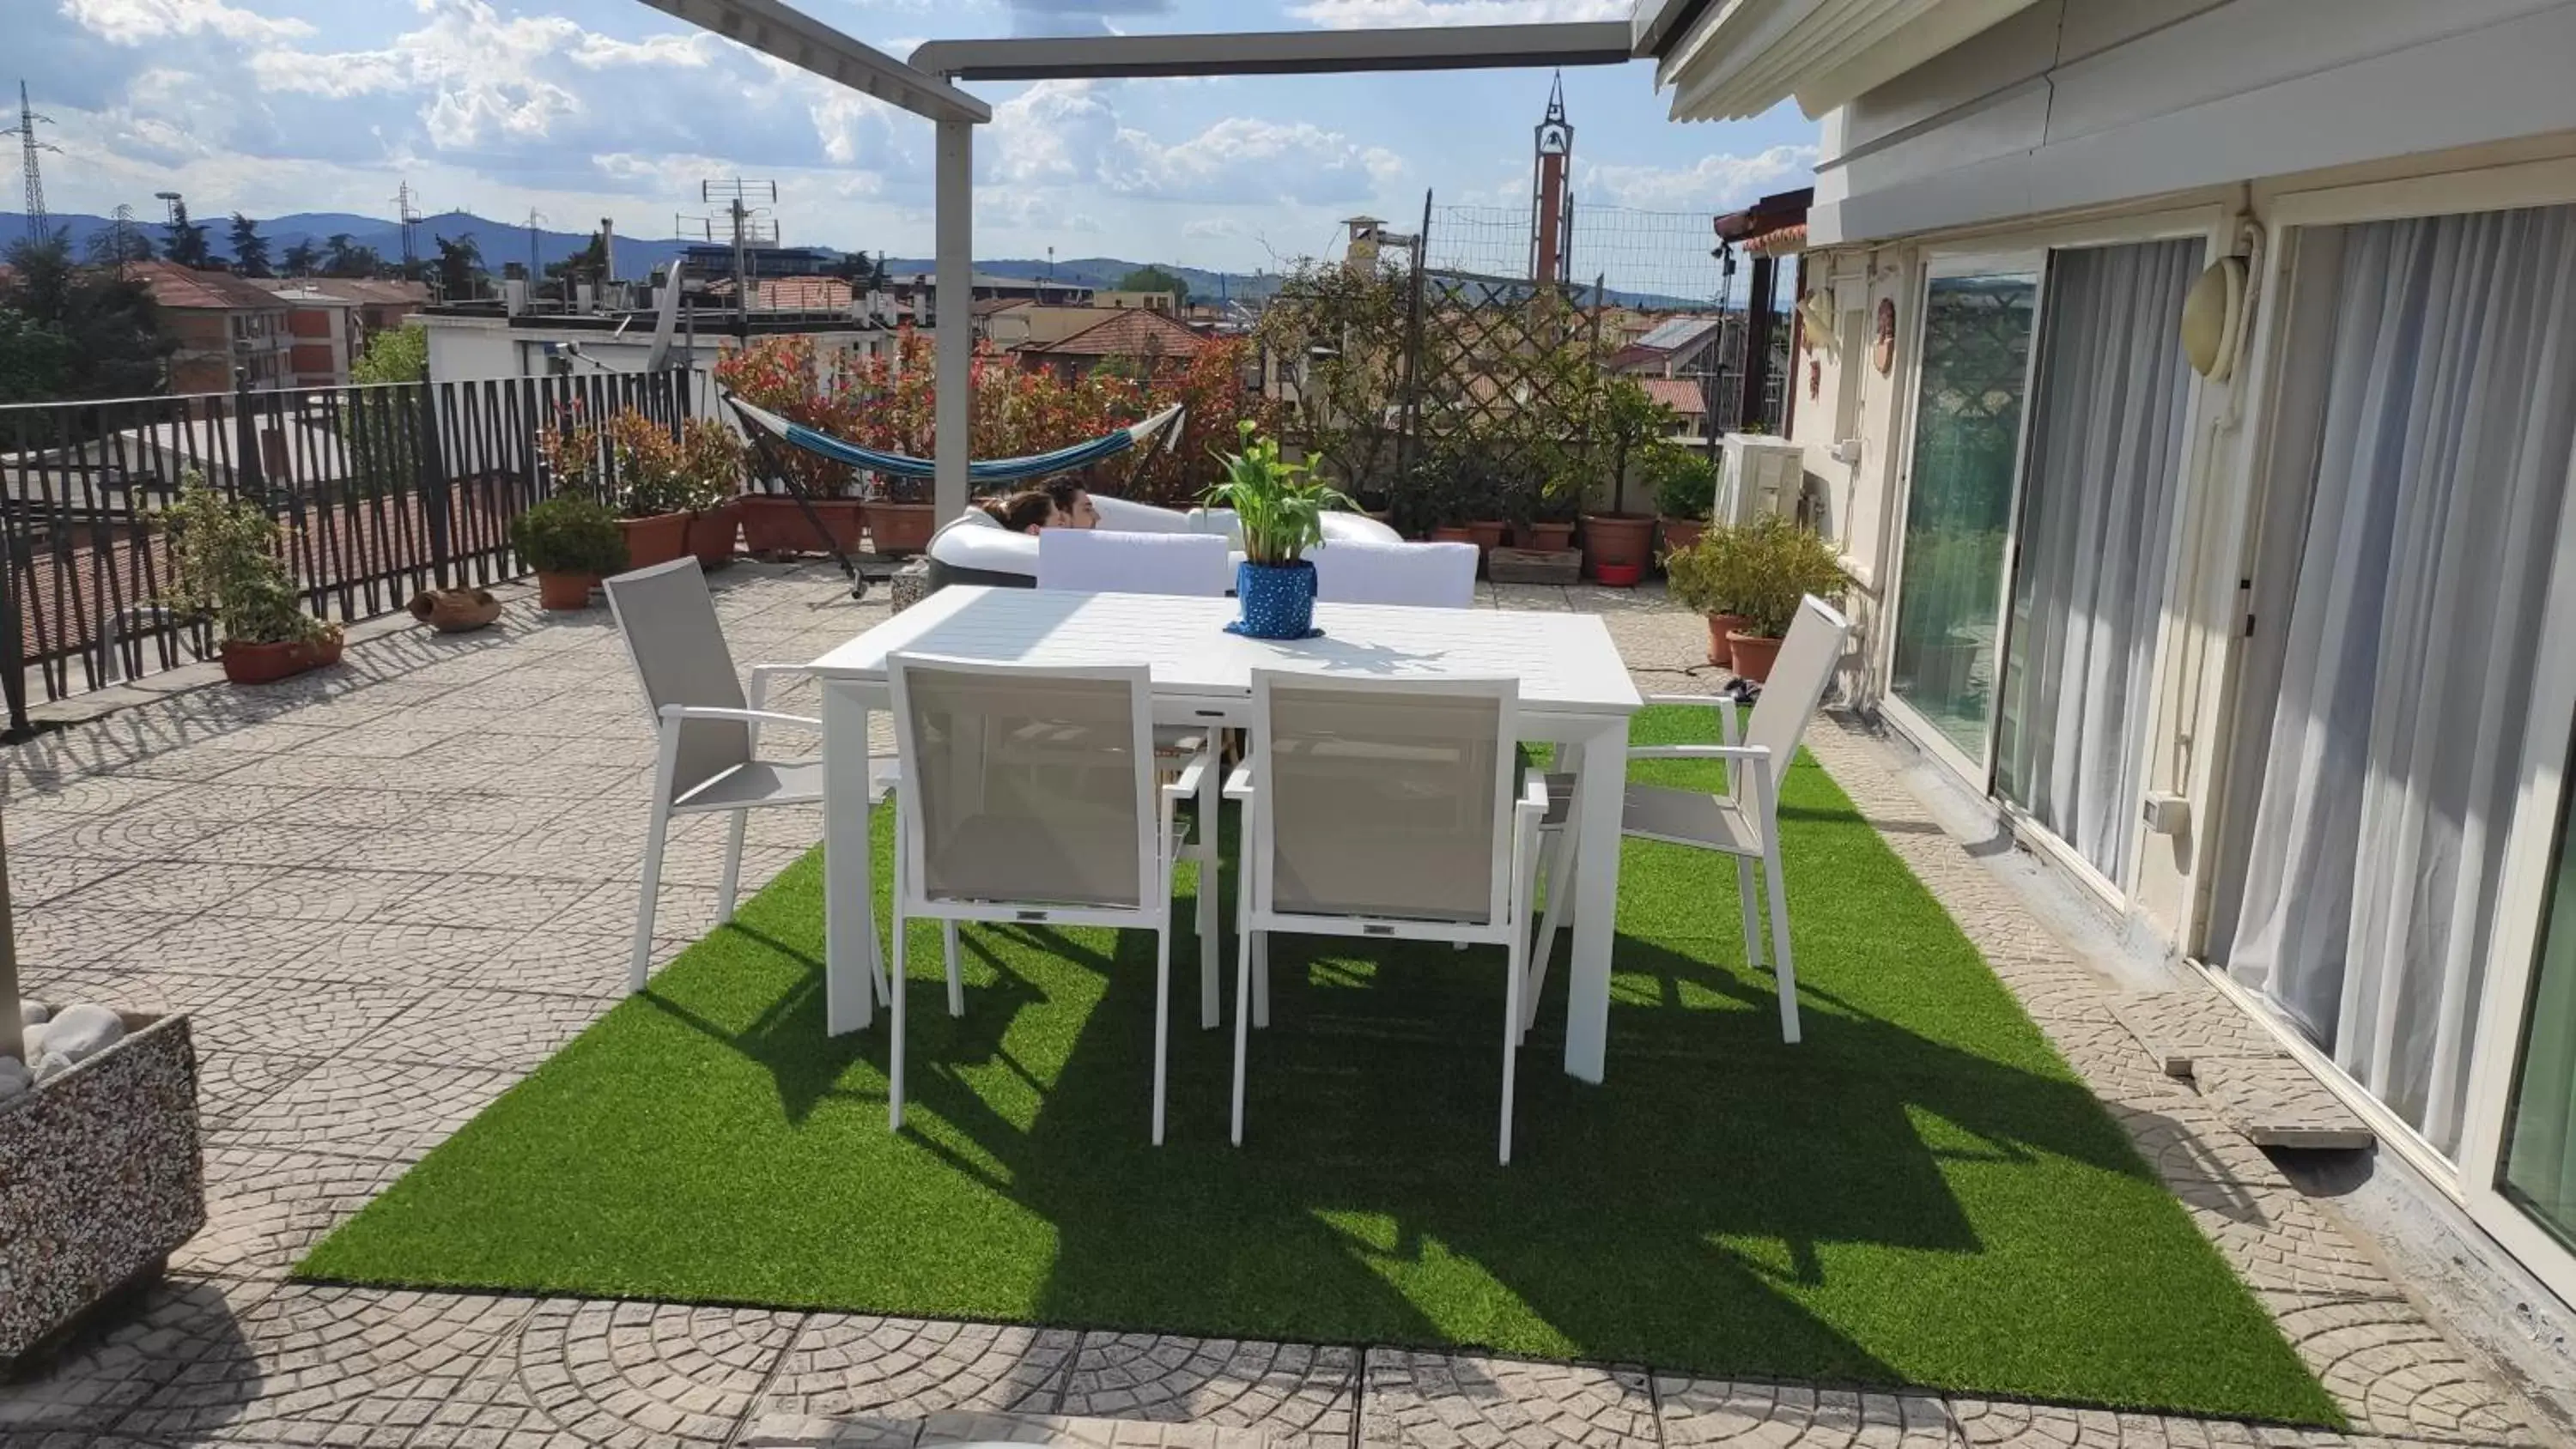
1674	347
1151	338
222	323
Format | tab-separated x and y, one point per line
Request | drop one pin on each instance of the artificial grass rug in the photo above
1921	1193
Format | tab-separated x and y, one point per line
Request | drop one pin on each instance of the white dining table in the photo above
1574	692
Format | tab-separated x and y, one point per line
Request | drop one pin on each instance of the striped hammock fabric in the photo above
990	470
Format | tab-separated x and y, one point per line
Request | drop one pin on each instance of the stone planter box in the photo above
100	1180
1534	566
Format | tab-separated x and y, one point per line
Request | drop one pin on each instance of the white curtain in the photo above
2442	447
2096	531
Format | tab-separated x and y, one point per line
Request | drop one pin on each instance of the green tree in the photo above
35	359
1155	279
397	354
104	249
302	259
855	269
184	241
590	264
250	249
878	281
117	343
1336	333
344	258
460	267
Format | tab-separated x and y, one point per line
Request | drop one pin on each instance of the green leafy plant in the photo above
1684	480
228	565
1279	507
569	534
1759	572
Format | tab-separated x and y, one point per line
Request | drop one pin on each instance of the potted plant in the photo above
653	492
901	517
1685	484
1626	417
227	566
1707	578
1779	562
570	541
1560	497
1280	510
710	465
784	375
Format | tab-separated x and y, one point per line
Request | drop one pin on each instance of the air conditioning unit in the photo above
1757	474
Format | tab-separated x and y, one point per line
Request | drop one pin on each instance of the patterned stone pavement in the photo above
388	890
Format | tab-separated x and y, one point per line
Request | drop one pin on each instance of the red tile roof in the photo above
187	289
1681	394
1136	333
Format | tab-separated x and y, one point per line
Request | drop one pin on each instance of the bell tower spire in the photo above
1551	204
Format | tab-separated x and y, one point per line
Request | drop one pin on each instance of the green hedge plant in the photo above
228	565
569	534
1759	572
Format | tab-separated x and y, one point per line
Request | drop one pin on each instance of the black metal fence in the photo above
381	490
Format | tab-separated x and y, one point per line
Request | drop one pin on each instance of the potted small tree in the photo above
653	492
228	567
1624	417
1707	578
570	541
1778	563
710	465
1685	484
1280	510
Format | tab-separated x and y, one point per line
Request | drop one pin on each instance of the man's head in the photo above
1074	502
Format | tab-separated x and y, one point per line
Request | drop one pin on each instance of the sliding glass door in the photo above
1960	477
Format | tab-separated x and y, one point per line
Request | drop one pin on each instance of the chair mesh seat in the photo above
1691	816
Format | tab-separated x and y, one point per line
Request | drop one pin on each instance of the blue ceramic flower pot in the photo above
1278	600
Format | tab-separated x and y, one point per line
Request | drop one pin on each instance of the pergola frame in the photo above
924	87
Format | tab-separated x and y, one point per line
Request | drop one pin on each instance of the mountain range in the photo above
502	242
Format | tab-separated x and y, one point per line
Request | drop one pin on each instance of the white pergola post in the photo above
954	235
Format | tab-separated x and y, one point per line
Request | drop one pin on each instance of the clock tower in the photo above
1551	211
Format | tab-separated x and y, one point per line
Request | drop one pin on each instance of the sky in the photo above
588	108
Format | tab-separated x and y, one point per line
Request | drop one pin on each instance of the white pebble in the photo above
52	1065
82	1032
33	1013
33	1039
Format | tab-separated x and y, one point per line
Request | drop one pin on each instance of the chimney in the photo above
514	295
608	248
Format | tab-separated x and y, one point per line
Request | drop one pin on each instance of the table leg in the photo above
1601	763
1211	881
849	892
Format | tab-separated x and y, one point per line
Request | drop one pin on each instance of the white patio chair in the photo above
708	731
1390	810
1030	796
1098	560
1744	822
1425	575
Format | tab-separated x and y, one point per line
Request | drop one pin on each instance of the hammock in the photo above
990	470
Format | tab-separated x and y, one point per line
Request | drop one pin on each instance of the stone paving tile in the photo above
227	804
620	1374
2177	1027
167	887
2396	1375
395	1111
231	1083
2280	1243
491	901
345	1367
63	801
282	1015
2276	1102
498	1031
1992	1425
1299	1394
315	893
266	1209
851	1364
94	1380
368	809
69	937
1777	1416
139	834
40	879
1441	1401
124	990
2184	1141
277	842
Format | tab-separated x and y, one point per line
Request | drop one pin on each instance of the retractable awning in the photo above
1728	59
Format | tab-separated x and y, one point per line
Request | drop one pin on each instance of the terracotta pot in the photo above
455	611
269	663
1451	533
900	528
1681	533
1614	547
1721	653
711	532
655	540
772	523
1752	655
1487	533
566	591
1547	537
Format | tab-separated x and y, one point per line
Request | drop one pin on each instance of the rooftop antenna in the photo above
408	215
29	146
534	272
734	193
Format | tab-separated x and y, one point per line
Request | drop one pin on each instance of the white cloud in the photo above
1719	182
1380	14
132	22
1068	133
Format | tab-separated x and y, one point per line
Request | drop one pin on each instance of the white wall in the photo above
2082	103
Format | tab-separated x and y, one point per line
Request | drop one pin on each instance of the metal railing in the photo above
381	490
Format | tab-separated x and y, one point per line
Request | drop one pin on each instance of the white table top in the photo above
1566	663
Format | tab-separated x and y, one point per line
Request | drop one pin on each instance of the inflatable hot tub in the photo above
974	549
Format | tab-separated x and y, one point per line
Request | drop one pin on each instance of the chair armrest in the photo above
1185	786
740	716
1238	786
1534	799
1729	712
1700	752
